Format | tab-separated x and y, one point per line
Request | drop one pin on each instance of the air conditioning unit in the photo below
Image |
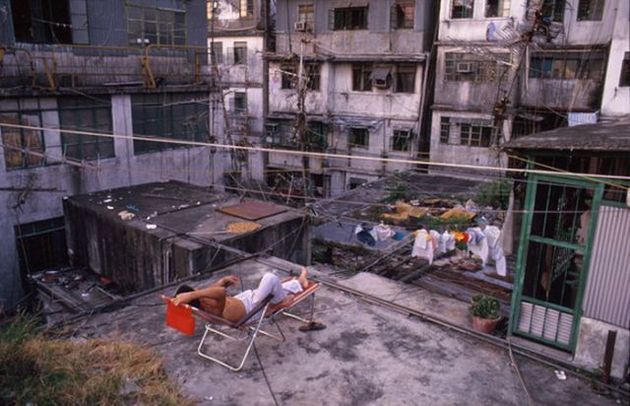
464	67
381	83
301	26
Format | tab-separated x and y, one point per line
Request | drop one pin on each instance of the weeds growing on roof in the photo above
36	369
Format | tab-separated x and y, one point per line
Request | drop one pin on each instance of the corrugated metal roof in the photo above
607	296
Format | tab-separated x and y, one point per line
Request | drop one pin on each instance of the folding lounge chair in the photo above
182	318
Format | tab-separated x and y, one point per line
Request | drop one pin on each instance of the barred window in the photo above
23	148
463	131
151	25
181	116
80	113
568	65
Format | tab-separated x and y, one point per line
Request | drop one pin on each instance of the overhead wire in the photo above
318	154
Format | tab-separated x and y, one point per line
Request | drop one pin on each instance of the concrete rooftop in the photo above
368	354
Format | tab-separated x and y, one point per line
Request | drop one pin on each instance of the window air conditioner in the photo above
464	67
381	83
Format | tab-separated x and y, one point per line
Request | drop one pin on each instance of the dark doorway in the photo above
41	245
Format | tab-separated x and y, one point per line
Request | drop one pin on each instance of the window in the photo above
41	21
240	53
216	52
41	245
312	76
624	79
348	18
445	129
401	140
80	113
23	148
182	116
402	14
497	8
240	103
567	66
462	8
405	79
306	16
247	8
356	182
460	67
289	77
150	25
550	9
589	10
468	132
475	135
361	74
359	138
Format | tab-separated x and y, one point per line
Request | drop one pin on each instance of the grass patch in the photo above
38	369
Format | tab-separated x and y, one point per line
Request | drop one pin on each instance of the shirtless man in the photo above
215	300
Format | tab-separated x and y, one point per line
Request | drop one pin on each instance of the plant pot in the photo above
485	325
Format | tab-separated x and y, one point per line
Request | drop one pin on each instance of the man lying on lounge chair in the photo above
214	299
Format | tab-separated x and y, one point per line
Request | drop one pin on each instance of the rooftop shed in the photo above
149	235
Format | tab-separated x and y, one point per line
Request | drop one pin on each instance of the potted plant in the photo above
486	313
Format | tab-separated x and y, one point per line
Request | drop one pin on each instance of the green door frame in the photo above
530	199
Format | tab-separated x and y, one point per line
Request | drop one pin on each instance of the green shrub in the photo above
495	194
484	306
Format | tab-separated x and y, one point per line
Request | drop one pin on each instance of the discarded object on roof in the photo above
126	215
404	211
242	227
458	212
366	234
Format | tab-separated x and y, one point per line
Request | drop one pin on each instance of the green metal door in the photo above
553	259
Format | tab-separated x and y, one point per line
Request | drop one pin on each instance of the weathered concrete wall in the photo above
186	164
377	39
615	98
562	94
591	346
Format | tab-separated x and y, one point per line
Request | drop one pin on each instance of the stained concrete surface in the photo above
366	355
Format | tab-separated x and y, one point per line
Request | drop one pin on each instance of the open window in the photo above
359	137
403	14
462	8
497	8
590	10
42	21
348	18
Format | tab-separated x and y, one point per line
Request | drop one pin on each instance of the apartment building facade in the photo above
508	68
346	78
136	69
236	35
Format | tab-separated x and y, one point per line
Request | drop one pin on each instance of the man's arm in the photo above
211	292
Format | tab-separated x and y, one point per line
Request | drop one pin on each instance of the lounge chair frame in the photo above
250	326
